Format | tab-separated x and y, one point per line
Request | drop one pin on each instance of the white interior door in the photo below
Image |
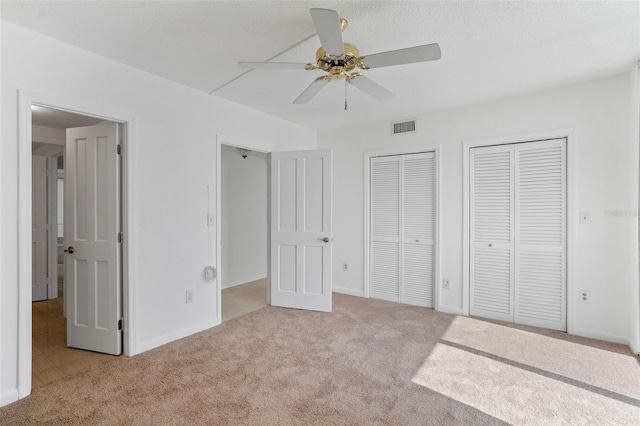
39	259
300	230
92	223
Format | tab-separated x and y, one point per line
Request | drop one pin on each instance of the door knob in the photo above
69	250
325	239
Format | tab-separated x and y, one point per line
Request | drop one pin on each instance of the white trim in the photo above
244	281
25	100
634	77
564	133
218	230
599	335
238	143
349	291
8	397
401	151
448	309
175	335
52	222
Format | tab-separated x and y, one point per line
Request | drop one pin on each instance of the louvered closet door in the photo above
417	284
492	232
385	228
518	233
540	285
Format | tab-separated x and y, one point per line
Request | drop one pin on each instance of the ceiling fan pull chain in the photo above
345	94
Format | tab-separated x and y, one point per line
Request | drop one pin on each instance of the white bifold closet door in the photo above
403	228
518	233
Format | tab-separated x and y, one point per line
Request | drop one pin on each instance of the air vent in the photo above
404	127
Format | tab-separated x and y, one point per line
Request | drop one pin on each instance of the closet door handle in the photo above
69	250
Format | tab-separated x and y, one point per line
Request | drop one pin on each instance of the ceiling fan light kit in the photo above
339	59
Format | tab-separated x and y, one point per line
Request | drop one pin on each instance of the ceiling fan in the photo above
340	59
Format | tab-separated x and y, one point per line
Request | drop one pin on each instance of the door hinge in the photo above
120	237
119	149
120	324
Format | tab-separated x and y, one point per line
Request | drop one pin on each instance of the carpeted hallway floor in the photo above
369	362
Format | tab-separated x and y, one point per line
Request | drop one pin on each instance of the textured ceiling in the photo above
489	49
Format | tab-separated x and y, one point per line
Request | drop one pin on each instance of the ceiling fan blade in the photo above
273	65
427	52
371	88
311	91
327	24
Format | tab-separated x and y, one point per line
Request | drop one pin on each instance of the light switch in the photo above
211	219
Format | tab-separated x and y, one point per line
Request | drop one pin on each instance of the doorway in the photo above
243	217
52	335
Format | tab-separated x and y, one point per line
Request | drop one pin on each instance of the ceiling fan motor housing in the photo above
336	66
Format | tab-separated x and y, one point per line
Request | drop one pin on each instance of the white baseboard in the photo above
175	335
447	309
349	291
244	281
608	337
8	397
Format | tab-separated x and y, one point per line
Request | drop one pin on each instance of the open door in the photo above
300	230
92	248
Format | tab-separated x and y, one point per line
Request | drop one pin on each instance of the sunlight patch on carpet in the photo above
611	371
517	395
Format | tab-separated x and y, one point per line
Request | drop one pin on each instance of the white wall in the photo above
244	216
606	159
173	153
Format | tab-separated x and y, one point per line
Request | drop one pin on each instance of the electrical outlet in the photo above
189	297
446	283
345	267
584	296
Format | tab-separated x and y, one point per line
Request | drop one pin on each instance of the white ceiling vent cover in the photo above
403	127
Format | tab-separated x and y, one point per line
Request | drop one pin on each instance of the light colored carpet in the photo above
369	362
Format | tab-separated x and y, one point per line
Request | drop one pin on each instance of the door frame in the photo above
52	205
252	146
52	216
367	208
467	145
25	100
